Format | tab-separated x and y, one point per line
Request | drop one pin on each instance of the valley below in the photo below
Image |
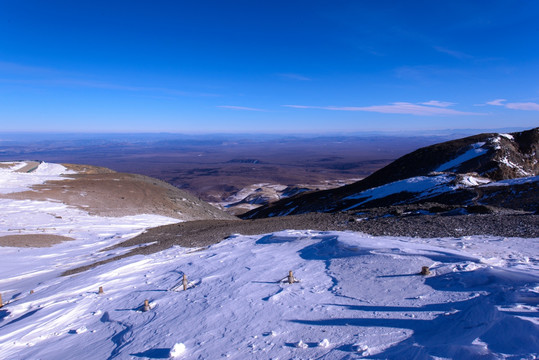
236	173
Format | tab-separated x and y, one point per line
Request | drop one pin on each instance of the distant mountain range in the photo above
494	169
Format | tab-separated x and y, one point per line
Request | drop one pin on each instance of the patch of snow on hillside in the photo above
496	142
470	180
357	296
507	136
518	181
517	167
474	152
12	181
422	185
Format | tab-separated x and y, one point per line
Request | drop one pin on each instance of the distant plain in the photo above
215	167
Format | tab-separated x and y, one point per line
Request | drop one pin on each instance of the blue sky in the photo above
268	66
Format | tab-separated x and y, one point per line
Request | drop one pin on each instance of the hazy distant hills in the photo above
242	172
479	169
221	168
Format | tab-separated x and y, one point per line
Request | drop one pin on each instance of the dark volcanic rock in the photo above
489	156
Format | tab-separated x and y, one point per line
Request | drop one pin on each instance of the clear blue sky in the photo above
267	66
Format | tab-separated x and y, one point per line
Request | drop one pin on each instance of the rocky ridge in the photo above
457	171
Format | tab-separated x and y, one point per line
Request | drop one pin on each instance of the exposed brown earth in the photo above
32	240
29	167
215	169
101	191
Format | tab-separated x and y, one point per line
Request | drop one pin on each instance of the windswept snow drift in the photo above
357	296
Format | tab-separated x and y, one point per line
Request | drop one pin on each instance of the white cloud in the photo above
295	77
302	107
395	108
438	103
530	106
15	68
527	106
497	102
453	53
232	107
14	73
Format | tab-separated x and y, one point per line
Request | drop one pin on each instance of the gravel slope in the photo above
394	221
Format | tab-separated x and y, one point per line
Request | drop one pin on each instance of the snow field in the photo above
475	151
357	297
422	185
12	181
90	234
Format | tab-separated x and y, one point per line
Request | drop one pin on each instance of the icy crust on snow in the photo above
425	185
12	181
356	296
474	152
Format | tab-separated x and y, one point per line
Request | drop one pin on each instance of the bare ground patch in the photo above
102	192
32	240
6	165
29	167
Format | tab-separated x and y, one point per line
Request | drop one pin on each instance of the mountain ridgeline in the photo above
486	169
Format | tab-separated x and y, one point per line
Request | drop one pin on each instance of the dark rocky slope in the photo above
489	157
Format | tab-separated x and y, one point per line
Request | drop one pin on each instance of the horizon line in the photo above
284	133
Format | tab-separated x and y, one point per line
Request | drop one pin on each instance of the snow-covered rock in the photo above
177	350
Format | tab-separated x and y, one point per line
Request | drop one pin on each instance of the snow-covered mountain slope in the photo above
357	297
100	191
429	172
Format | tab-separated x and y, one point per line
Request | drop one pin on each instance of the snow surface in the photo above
357	296
470	180
11	181
32	266
474	152
423	185
508	136
518	181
